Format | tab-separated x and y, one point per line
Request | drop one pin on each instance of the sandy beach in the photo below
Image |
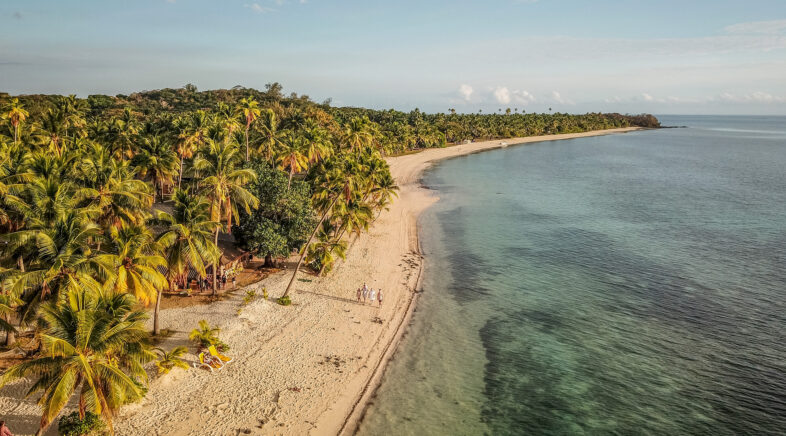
305	369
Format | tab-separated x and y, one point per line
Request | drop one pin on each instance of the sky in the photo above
629	56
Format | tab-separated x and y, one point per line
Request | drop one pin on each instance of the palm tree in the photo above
168	360
157	161
17	115
136	261
335	181
250	110
63	259
95	346
292	156
356	134
192	134
110	185
187	241
223	184
271	135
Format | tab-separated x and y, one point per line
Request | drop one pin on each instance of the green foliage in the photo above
205	336
284	301
168	360
250	296
264	293
283	219
73	425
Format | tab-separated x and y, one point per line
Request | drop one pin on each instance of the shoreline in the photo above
310	368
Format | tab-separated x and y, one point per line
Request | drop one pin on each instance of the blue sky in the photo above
689	56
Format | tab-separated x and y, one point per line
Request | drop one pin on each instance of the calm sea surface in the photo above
628	284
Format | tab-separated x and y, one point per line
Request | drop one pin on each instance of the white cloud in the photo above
772	27
647	97
466	91
755	97
523	97
256	7
558	98
502	94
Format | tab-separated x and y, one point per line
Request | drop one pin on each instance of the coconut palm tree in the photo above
292	155
224	185
333	182
136	259
187	240
323	253
272	136
193	130
110	185
157	161
95	347
356	135
249	108
63	260
17	115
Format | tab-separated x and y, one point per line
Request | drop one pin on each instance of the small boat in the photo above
503	143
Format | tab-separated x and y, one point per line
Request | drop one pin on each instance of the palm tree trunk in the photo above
156	312
16	134
247	125
215	267
10	337
180	177
289	183
305	247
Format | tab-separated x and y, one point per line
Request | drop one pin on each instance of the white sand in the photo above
305	369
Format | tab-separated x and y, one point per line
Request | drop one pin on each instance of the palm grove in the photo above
106	202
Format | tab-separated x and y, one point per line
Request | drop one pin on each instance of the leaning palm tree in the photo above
136	260
334	181
17	115
249	108
187	240
93	346
224	184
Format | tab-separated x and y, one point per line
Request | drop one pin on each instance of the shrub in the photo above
72	425
171	359
250	296
205	336
284	301
264	293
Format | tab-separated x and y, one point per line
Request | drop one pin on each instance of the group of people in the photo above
371	294
205	283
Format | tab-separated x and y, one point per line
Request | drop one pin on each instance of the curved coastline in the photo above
310	368
409	174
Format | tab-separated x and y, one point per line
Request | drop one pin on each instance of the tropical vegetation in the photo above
106	202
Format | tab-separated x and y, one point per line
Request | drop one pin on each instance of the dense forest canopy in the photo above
106	202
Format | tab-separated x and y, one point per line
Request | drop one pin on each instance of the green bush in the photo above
72	425
264	293
250	296
284	301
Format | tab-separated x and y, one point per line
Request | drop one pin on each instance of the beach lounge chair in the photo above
214	352
208	362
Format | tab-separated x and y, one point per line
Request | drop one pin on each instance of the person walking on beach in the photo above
364	293
359	292
379	297
372	295
4	431
234	281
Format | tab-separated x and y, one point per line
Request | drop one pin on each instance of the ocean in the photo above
629	284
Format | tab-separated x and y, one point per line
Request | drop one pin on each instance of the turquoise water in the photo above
628	284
